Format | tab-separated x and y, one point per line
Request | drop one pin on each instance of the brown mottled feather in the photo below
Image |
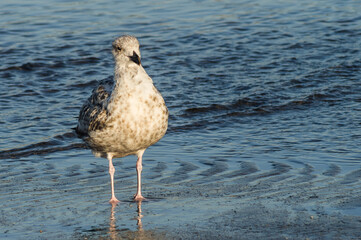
93	113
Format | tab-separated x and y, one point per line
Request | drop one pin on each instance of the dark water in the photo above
264	131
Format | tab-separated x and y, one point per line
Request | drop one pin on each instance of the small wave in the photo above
32	66
44	64
306	101
239	104
91	83
256	106
24	67
213	114
82	61
56	144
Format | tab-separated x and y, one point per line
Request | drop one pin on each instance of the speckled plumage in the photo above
126	115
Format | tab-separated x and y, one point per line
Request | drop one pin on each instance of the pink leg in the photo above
138	196
111	172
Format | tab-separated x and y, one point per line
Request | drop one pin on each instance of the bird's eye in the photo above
119	48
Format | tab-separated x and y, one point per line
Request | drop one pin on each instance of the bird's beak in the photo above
135	58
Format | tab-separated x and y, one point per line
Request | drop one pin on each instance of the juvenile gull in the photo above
126	115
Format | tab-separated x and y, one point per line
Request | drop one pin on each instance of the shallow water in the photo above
264	130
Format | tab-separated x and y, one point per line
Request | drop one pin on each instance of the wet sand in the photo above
203	199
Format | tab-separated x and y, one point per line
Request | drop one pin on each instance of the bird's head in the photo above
126	49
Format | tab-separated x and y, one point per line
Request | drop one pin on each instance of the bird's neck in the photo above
119	74
128	76
123	76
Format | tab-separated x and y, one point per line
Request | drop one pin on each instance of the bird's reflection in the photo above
113	234
113	231
139	218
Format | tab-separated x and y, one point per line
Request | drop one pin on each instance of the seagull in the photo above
125	114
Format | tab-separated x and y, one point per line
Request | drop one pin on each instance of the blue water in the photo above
265	113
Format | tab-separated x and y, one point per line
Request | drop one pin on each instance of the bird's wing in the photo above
93	114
